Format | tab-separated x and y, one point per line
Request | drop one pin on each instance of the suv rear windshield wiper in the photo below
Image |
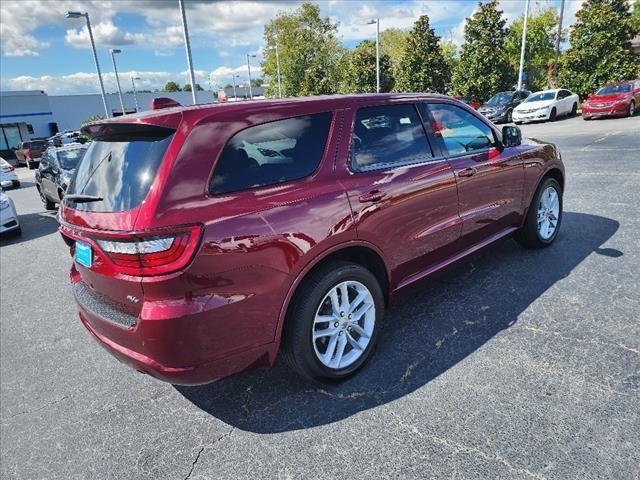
80	198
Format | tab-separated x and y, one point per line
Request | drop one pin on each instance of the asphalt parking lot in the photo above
513	364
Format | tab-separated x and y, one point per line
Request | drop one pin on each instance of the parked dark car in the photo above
56	169
29	153
619	99
207	239
499	108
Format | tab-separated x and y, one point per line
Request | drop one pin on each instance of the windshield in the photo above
609	89
69	158
537	97
119	172
504	97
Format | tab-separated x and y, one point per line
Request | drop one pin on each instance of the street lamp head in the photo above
251	55
135	78
75	14
116	50
373	21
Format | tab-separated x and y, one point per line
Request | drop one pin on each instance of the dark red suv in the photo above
207	239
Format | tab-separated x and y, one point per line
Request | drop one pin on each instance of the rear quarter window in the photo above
272	153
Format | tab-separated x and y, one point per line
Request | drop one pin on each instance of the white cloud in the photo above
104	33
87	82
19	19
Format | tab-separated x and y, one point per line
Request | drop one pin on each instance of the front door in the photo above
404	200
489	177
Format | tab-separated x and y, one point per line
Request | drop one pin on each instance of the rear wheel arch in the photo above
360	253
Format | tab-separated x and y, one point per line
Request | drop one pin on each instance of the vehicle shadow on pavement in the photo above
426	331
33	225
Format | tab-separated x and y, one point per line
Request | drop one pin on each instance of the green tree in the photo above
310	53
187	88
423	67
600	50
392	43
635	9
171	87
484	66
360	72
542	28
450	52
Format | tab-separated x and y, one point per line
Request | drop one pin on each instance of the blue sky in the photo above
43	50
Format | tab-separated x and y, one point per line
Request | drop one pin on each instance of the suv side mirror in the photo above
511	136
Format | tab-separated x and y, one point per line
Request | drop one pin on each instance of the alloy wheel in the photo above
548	213
343	325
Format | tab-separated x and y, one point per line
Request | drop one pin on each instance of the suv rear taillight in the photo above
155	252
28	154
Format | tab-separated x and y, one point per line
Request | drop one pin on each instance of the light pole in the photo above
233	78
135	95
377	22
115	69
187	47
524	42
95	55
275	47
558	37
249	56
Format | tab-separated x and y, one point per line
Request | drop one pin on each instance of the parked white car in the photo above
546	105
9	222
8	175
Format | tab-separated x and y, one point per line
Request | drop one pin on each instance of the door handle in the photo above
372	196
467	172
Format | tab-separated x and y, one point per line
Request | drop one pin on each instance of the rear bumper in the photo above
174	348
186	375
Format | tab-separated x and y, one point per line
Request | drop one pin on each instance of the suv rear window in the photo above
120	172
272	153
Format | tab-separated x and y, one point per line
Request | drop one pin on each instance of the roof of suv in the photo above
148	116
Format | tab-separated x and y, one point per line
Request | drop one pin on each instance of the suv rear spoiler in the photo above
126	132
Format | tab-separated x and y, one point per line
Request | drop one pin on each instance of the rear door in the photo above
489	178
403	198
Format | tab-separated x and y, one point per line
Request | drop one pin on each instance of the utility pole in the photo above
135	95
115	70
249	56
524	42
558	37
187	47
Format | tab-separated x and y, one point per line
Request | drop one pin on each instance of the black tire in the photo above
586	119
30	165
15	183
528	235
297	344
553	114
632	109
574	110
509	116
48	204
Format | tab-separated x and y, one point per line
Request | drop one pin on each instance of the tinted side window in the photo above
388	135
460	130
272	153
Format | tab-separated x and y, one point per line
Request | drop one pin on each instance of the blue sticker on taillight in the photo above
83	254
